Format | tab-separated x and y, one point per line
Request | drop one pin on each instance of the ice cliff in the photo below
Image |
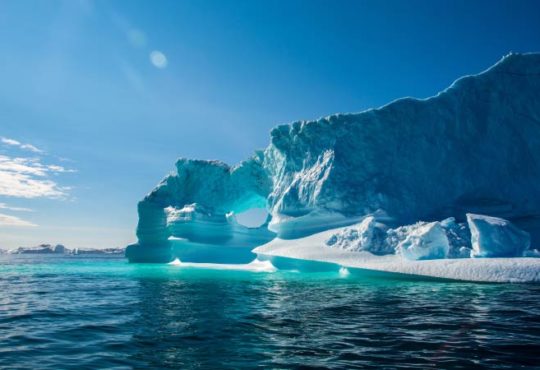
473	148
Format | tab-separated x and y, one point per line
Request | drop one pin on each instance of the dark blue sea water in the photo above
74	312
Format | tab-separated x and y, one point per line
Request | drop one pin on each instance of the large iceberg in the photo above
473	148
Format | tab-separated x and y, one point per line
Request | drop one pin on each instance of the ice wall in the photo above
475	147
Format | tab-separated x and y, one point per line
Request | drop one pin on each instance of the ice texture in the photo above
369	235
459	238
419	241
424	242
496	237
473	148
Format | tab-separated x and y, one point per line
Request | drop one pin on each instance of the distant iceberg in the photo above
60	249
41	249
396	181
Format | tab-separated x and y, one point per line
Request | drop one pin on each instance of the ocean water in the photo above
75	312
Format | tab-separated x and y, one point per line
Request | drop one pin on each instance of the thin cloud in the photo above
31	148
16	209
7	141
29	178
59	169
18	144
7	220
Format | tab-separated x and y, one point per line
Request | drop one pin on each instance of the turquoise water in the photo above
75	312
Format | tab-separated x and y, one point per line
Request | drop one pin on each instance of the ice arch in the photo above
193	210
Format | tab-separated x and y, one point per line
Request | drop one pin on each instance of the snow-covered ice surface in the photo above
314	248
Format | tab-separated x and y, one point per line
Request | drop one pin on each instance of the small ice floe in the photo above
344	272
254	266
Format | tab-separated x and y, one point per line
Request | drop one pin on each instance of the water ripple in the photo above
105	313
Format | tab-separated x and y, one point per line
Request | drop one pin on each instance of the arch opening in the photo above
253	217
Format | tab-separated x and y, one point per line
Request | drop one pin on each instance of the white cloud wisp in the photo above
7	220
29	178
18	144
16	209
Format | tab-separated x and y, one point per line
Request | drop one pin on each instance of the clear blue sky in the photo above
99	98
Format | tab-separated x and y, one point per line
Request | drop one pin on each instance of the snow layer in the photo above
473	148
314	248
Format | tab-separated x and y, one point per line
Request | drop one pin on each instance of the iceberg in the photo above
369	235
424	242
41	249
61	249
472	149
95	251
496	237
